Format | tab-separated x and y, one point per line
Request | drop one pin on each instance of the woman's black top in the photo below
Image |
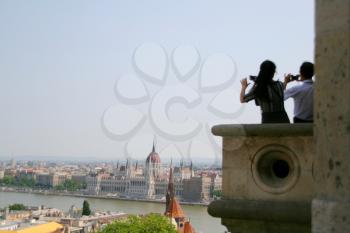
272	109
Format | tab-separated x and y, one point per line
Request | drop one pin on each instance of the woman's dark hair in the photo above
266	73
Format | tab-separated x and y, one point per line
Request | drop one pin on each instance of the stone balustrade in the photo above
267	178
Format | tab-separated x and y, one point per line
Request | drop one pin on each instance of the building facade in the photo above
148	181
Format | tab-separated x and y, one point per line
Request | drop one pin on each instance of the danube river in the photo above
200	219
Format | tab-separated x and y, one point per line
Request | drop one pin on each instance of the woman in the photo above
268	94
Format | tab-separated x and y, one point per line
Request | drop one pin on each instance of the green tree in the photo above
17	206
217	193
152	223
8	180
26	182
21	182
86	208
59	187
72	185
69	185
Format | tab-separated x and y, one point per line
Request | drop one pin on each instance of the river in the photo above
200	219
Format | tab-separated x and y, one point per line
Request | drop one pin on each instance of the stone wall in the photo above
331	206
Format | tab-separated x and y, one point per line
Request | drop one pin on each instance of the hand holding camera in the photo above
244	83
290	77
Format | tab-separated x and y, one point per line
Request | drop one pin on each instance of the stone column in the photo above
331	203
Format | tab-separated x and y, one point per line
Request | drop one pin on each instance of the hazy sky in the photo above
60	62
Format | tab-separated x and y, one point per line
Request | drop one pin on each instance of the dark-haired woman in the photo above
267	93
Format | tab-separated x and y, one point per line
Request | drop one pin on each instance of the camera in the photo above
294	77
253	78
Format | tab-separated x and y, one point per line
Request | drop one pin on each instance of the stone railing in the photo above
267	178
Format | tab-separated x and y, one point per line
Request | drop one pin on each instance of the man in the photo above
302	94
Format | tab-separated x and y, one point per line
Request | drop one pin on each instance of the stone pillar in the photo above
331	203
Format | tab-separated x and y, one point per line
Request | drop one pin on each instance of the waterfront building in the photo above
44	179
50	179
79	178
132	180
197	189
25	174
141	182
10	172
216	184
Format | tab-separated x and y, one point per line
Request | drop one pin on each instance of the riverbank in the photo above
70	194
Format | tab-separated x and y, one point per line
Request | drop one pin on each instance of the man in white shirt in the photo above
302	94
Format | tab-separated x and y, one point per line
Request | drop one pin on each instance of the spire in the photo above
154	144
188	227
171	181
170	192
191	168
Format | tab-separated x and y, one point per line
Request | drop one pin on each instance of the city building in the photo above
51	227
15	215
144	182
82	224
79	178
134	180
50	179
25	174
41	220
197	189
173	209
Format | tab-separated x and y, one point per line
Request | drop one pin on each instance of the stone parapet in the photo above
281	211
267	177
265	130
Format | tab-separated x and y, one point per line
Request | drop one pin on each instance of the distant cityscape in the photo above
149	180
20	218
135	180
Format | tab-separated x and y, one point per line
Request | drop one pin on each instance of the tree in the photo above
20	182
151	223
17	206
26	182
8	180
86	208
59	187
217	193
72	185
69	185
